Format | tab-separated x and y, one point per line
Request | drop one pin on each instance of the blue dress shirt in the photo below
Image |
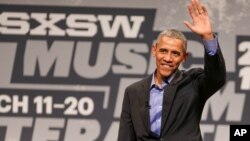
155	102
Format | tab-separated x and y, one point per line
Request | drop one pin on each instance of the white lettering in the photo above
14	23
38	52
47	129
49	25
132	61
102	64
5	108
81	25
77	25
23	104
14	127
244	59
112	134
79	129
220	132
225	99
14	104
120	22
124	82
245	78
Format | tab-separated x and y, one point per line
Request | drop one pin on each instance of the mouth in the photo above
168	66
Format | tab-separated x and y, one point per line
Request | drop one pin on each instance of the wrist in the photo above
209	36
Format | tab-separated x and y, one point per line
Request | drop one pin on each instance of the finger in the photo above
188	25
198	6
201	8
191	11
204	10
194	7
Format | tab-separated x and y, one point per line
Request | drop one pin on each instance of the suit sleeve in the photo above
126	129
214	75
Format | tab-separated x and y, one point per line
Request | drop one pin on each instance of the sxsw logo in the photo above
57	48
77	22
71	63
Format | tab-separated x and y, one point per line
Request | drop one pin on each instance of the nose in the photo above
168	57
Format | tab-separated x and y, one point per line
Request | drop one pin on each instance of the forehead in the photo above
170	43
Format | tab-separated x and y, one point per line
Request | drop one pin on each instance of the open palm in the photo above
201	24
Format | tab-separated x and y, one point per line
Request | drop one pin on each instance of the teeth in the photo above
166	66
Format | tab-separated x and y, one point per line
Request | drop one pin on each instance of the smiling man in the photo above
168	104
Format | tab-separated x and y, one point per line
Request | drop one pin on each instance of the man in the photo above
168	104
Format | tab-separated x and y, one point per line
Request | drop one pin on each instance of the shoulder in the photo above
193	73
144	82
185	76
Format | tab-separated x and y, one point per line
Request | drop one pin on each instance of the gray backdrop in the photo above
60	85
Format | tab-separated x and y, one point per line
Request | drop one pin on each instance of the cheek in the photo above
158	58
177	62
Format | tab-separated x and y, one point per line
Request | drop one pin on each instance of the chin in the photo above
166	74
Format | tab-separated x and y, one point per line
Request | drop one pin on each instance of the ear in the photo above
185	57
153	50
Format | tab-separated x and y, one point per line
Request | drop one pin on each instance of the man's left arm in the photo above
214	74
214	68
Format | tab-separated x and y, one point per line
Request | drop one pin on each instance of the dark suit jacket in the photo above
183	102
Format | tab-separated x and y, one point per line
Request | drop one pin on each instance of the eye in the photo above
176	53
162	50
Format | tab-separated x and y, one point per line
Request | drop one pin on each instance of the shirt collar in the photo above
164	83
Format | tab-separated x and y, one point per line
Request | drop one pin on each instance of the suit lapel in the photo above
144	99
168	98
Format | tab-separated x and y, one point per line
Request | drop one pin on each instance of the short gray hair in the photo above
173	33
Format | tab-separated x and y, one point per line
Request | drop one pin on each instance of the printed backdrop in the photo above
64	65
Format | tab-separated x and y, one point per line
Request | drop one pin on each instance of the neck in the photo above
159	79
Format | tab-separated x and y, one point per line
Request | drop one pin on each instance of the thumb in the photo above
188	25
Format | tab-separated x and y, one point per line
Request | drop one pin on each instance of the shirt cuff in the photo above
211	46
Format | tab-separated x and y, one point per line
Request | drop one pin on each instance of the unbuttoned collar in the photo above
165	82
